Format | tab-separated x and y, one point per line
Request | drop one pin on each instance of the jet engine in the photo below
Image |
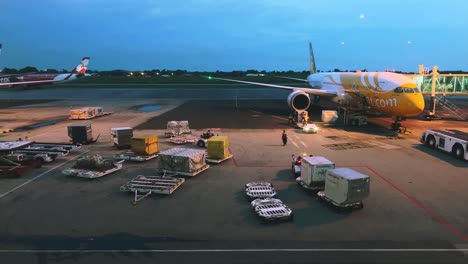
299	100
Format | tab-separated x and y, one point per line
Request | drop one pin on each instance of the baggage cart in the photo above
143	186
130	156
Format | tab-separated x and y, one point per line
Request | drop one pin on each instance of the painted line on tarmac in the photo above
302	142
40	175
420	205
294	143
246	250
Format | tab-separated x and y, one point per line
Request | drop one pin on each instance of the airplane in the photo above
388	93
31	79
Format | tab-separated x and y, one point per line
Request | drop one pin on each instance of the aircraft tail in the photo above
313	69
82	67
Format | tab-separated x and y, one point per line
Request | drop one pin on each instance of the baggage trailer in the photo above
143	186
450	140
345	188
130	156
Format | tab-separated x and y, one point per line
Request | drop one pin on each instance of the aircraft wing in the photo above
26	83
291	78
290	88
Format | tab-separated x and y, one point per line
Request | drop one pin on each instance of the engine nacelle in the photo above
299	100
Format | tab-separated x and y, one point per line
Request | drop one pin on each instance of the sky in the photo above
227	35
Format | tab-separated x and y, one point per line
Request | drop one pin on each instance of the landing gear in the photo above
396	125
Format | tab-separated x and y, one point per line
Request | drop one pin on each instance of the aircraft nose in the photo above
417	103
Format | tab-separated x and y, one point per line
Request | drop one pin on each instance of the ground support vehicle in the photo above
130	156
450	140
356	120
203	140
255	190
270	209
18	156
143	186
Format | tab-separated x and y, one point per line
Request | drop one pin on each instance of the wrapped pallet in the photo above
81	113
144	145
313	170
346	186
182	159
184	128
172	129
218	147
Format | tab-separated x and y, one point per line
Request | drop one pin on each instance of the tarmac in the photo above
415	212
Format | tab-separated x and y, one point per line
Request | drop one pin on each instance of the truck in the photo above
450	140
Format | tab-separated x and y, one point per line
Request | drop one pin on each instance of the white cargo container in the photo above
329	116
344	186
313	171
122	136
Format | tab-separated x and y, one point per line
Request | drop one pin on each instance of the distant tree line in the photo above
178	72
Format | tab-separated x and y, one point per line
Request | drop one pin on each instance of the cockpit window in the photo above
416	90
409	90
398	90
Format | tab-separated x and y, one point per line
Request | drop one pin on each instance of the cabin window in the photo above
409	90
416	90
398	90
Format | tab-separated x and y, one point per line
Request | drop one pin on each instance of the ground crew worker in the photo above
284	137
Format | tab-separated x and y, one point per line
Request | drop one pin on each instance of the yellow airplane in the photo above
388	93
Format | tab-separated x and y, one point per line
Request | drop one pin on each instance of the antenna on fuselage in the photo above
312	59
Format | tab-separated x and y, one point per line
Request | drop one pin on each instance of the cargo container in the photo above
81	134
313	171
185	161
144	145
344	186
329	116
218	147
122	136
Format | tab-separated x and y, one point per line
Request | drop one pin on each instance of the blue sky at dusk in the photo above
234	35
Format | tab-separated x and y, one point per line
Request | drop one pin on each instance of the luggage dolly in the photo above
255	190
271	209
